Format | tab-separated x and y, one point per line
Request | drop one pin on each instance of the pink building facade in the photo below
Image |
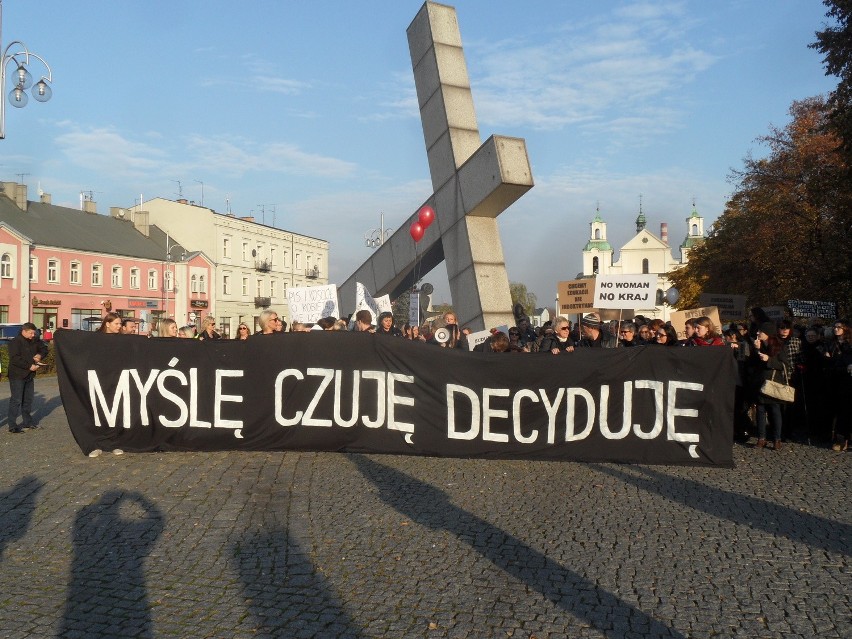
54	284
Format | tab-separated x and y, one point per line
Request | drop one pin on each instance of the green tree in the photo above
787	229
520	295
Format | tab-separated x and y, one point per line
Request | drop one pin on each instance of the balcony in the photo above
262	302
263	266
312	273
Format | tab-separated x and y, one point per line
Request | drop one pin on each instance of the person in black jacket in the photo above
25	355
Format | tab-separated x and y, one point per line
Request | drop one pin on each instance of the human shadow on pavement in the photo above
286	595
39	411
107	594
576	595
44	406
741	509
16	510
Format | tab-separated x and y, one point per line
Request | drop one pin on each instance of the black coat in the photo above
22	352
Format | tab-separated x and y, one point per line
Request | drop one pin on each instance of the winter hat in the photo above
591	319
769	328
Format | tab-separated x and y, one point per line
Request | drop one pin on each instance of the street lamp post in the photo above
21	78
374	238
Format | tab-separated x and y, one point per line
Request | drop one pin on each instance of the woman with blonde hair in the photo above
168	328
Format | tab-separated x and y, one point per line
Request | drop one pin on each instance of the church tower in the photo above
694	234
597	256
640	220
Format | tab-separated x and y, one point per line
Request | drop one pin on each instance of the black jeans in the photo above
20	402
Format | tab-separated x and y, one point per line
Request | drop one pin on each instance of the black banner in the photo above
338	391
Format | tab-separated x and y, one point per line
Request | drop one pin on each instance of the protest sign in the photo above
731	307
310	303
576	296
625	291
678	319
805	308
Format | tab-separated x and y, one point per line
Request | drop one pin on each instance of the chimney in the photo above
17	193
248	218
44	198
182	201
141	222
664	232
90	206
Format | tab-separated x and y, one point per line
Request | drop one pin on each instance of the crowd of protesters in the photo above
815	359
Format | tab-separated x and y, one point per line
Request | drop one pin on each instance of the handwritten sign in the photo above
678	319
310	303
576	296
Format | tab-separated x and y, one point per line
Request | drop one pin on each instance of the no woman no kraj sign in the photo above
625	291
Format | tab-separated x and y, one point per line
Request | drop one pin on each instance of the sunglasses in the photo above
661	335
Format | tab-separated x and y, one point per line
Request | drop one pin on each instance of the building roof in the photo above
601	245
63	227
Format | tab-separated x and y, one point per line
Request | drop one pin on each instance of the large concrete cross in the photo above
473	183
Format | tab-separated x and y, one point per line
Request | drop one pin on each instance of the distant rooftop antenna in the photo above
22	176
227	205
180	189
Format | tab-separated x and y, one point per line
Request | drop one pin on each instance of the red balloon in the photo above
426	216
417	231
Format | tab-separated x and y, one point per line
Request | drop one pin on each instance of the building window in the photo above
116	277
53	271
258	288
226	247
245	286
694	230
272	288
193	284
298	261
4	314
6	265
595	265
74	273
597	234
97	274
85	319
226	285
645	266
272	256
134	278
245	252
202	286
284	260
33	269
152	279
168	281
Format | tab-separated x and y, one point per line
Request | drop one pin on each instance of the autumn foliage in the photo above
786	232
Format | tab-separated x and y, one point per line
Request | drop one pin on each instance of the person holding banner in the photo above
593	334
770	359
559	341
364	322
243	332
268	322
208	329
386	327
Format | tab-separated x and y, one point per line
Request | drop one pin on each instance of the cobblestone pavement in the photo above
332	545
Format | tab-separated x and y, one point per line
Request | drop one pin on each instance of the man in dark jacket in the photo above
594	335
25	355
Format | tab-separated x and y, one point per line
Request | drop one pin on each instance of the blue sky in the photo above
309	107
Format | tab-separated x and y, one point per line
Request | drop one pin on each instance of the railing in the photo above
312	273
264	266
